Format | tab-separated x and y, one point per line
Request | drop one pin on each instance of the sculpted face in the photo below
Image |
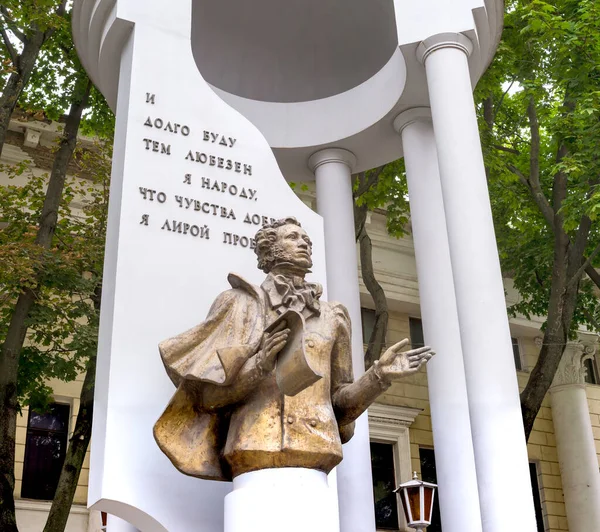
294	246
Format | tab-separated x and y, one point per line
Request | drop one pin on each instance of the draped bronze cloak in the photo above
212	352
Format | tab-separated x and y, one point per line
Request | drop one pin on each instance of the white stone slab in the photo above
160	281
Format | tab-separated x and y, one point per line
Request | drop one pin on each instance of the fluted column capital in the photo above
332	155
410	116
443	40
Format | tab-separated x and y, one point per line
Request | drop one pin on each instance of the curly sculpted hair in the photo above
269	254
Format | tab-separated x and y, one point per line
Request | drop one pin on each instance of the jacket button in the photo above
313	423
290	420
311	343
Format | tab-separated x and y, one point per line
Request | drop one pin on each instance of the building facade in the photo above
399	425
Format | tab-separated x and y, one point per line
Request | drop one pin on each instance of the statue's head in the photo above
283	243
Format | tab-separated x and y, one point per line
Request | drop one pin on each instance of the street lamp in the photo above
417	502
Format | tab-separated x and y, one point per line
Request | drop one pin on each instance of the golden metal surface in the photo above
229	415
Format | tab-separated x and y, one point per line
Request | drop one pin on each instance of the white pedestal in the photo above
276	500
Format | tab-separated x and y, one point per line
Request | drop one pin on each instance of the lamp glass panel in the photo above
428	506
414	499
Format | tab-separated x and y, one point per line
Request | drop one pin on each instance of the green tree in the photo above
51	265
25	27
88	236
539	116
28	302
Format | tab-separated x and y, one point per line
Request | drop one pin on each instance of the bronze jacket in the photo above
228	418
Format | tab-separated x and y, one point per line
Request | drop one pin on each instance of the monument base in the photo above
291	499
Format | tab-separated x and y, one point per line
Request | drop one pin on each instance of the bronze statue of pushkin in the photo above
266	380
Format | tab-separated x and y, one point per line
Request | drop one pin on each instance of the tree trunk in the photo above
69	475
18	80
564	291
377	338
17	329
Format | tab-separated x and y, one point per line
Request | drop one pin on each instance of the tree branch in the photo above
488	112
534	154
499	104
364	186
591	319
507	149
524	181
11	25
593	275
62	8
376	342
534	166
14	56
539	198
577	250
585	265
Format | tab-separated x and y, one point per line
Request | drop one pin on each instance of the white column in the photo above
498	437
454	458
116	524
575	441
333	170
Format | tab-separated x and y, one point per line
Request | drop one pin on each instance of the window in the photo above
591	374
367	317
428	474
391	462
415	326
537	502
517	353
384	484
45	449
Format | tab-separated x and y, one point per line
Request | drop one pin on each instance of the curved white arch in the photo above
317	122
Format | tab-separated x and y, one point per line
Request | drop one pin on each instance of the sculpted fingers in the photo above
418	352
274	351
416	361
397	347
276	342
273	342
390	354
279	335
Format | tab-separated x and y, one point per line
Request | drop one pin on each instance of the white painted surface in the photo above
575	444
312	89
115	524
159	283
333	169
320	121
273	500
498	437
454	458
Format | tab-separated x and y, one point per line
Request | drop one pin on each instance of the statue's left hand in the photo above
395	364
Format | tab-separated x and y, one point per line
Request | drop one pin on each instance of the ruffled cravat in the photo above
297	294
